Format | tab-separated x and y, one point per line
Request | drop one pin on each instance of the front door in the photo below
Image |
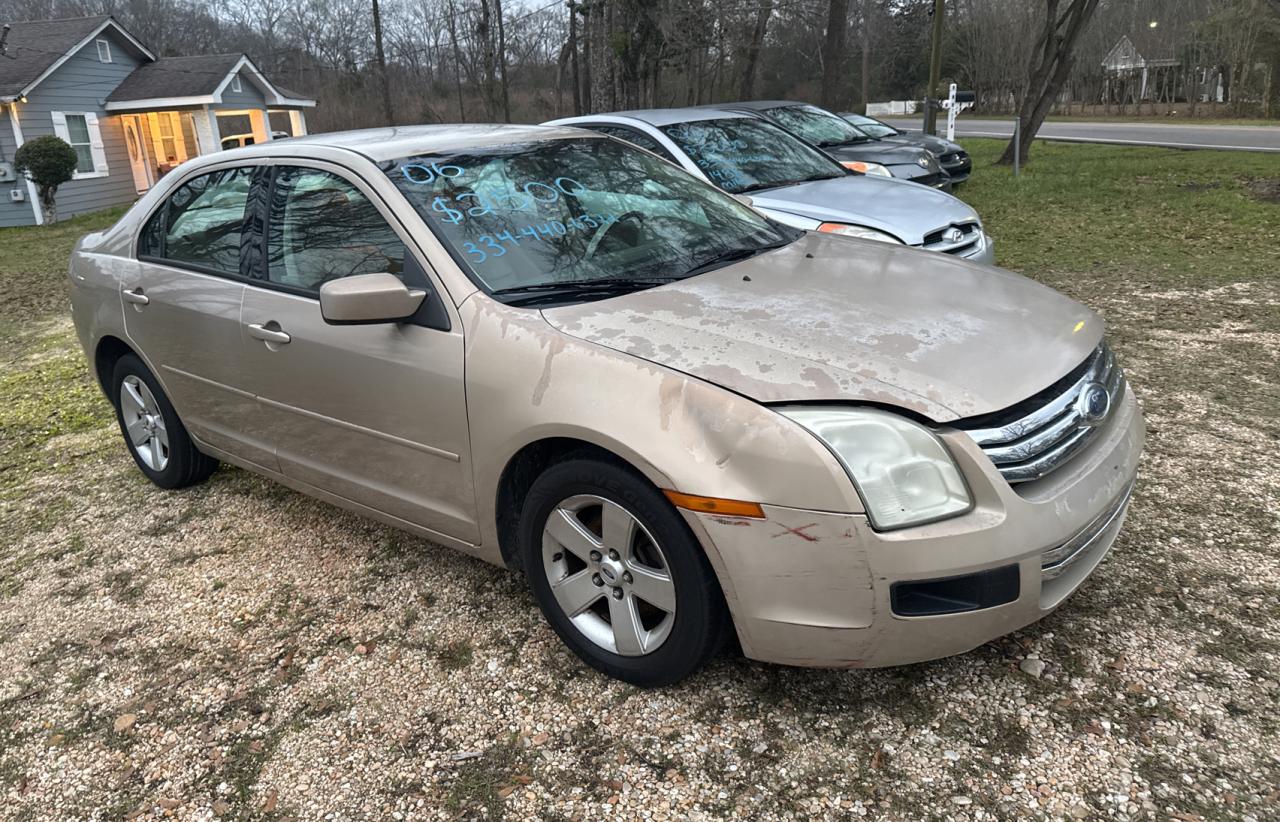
137	153
375	414
182	302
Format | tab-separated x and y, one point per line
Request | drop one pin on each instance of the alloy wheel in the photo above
608	574
144	423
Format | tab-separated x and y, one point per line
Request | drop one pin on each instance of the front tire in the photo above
157	439
618	574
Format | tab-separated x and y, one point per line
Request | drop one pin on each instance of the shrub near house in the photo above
48	162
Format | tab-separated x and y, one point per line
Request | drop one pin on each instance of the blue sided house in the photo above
131	116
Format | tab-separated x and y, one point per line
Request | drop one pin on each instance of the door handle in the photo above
135	296
261	332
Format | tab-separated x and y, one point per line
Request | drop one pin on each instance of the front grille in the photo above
1037	436
948	159
959	238
1056	560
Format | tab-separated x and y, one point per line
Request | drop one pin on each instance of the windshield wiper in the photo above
570	288
733	255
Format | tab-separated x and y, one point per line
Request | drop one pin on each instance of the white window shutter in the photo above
60	126
95	143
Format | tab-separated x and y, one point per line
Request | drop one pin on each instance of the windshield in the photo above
870	126
529	216
822	128
746	154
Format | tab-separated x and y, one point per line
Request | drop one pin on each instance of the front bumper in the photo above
938	179
816	588
958	169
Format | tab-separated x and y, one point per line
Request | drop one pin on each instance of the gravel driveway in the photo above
238	650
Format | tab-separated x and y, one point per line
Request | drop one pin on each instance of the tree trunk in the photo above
601	57
1051	62
48	207
833	52
457	64
573	60
502	62
751	55
865	67
387	111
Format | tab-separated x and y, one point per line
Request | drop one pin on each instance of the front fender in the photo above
527	381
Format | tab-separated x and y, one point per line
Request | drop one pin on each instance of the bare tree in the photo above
833	52
751	54
1051	60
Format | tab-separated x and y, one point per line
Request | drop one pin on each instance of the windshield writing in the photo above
575	210
817	126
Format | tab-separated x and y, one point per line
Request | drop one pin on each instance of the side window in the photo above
634	137
202	222
322	228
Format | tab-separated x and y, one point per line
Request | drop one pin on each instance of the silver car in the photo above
683	421
795	183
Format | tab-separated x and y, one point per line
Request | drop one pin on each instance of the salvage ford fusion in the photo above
557	352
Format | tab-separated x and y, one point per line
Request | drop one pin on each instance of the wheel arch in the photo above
529	462
106	354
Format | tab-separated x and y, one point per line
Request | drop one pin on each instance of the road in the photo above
1171	135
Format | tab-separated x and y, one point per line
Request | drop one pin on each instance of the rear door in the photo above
182	308
372	413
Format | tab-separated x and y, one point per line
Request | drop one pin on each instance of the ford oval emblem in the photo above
1094	404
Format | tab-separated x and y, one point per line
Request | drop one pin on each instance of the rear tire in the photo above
156	438
618	574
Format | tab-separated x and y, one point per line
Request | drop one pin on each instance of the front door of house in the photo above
137	153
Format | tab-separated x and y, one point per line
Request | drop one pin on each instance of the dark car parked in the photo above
854	149
954	159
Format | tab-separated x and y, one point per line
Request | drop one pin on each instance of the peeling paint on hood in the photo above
838	319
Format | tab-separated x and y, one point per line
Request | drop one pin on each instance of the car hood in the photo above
836	319
904	209
937	145
876	151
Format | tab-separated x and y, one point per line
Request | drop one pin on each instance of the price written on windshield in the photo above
488	246
459	207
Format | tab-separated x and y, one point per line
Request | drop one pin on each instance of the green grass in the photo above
1155	216
33	267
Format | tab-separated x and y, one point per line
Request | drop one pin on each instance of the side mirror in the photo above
368	298
745	200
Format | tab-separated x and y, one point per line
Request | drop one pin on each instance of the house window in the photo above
104	51
235	83
168	140
80	130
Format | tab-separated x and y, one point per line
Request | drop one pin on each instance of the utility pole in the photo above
935	70
381	56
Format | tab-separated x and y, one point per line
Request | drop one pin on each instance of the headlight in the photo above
867	168
858	231
901	469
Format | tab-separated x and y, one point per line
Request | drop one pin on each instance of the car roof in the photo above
403	141
761	105
660	116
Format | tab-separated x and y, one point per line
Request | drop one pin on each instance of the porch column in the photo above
208	136
260	121
297	122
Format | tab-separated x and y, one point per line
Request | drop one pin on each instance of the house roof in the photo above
34	48
198	76
194	81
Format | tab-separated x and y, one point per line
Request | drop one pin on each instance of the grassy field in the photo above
239	650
